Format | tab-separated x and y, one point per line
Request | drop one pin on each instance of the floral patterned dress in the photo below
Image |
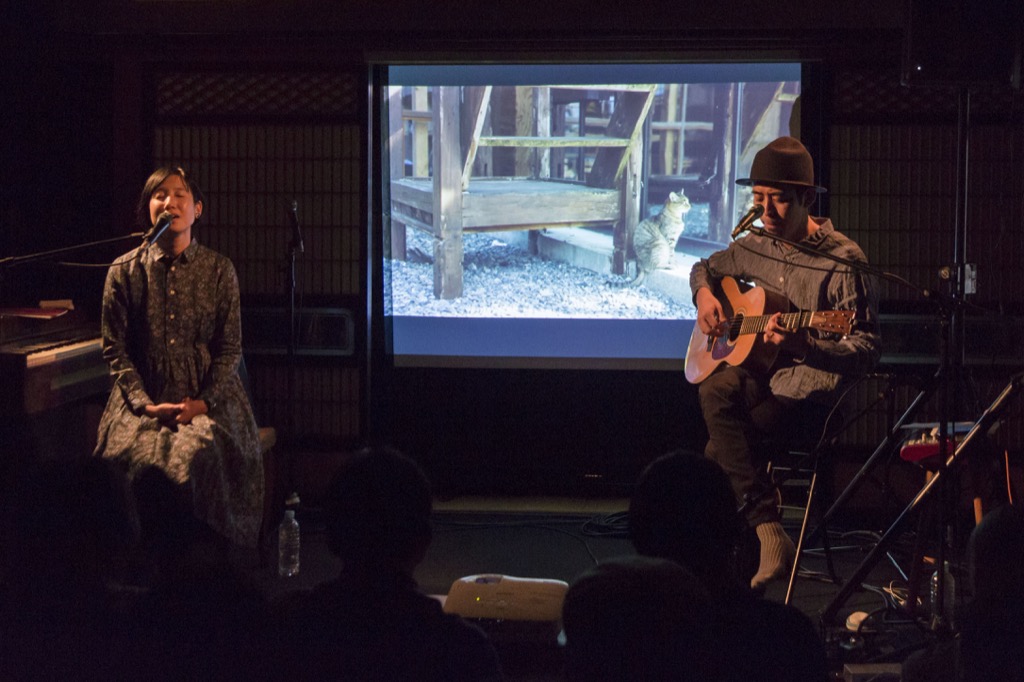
172	329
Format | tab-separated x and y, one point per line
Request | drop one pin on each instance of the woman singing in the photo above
171	329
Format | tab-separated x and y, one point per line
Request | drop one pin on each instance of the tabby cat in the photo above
654	239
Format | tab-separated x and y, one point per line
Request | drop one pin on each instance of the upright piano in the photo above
48	359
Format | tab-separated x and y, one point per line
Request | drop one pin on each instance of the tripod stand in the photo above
983	424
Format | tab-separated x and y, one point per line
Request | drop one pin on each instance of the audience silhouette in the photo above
683	509
72	605
992	626
371	622
199	613
638	618
64	614
990	641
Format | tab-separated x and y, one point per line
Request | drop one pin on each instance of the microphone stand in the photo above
295	247
951	359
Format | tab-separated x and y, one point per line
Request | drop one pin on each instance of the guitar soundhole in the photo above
734	327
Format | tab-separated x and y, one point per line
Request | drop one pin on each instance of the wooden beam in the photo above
447	184
543	104
637	130
478	126
420	135
626	124
551	142
396	246
630	209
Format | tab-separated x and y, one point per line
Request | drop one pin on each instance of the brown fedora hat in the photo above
784	160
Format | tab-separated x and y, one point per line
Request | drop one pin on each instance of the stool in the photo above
802	457
273	495
809	463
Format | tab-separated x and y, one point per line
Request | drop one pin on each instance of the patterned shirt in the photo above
172	329
810	282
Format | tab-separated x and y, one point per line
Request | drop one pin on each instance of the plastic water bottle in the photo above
288	545
948	595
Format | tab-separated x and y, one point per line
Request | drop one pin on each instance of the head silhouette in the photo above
996	554
683	509
378	511
638	618
74	518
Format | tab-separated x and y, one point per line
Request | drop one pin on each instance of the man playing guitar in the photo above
743	405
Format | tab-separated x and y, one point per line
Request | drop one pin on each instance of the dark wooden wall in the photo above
270	101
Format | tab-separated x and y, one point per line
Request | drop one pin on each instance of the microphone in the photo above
163	221
755	212
296	230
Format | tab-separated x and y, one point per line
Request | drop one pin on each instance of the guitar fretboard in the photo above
755	324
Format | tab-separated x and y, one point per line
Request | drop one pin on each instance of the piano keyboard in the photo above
49	362
46	353
43	374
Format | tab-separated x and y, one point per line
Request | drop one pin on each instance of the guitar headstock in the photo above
833	321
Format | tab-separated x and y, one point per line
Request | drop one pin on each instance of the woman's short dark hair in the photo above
156	179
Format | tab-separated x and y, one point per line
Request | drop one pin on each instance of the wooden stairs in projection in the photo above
451	201
770	123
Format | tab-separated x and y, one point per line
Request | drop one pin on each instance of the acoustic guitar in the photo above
738	340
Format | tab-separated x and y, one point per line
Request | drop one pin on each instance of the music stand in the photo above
983	424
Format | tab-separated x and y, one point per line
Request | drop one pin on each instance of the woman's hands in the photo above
190	408
177	413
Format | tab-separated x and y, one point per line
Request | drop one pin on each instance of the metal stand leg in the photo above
981	426
803	535
883	448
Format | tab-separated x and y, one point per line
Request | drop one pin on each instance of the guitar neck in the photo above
755	324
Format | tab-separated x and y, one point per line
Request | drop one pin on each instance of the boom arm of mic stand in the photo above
11	261
855	265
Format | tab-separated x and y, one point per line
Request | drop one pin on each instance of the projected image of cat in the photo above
654	239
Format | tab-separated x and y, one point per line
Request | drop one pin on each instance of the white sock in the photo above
777	554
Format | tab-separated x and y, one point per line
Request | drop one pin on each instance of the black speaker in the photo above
962	42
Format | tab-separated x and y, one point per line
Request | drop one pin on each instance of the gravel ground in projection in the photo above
503	280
